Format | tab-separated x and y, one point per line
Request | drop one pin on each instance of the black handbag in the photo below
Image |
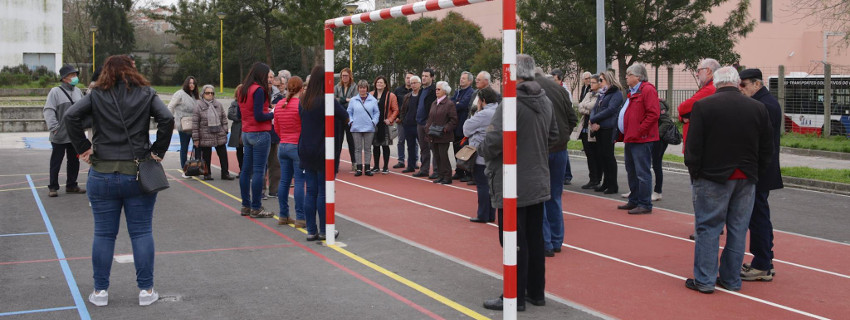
436	131
150	174
195	166
672	135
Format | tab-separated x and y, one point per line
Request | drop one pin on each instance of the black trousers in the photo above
60	151
658	148
221	151
424	149
531	263
376	153
240	152
761	233
456	145
605	154
594	168
411	138
441	159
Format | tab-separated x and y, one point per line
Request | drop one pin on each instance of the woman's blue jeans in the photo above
314	200
256	146
290	166
108	194
185	140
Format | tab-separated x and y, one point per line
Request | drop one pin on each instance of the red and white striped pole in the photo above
509	172
398	11
330	199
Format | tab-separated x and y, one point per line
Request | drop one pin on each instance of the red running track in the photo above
620	265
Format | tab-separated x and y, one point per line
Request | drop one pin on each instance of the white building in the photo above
31	33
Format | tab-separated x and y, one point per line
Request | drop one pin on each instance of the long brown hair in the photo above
293	87
259	74
193	92
315	90
120	68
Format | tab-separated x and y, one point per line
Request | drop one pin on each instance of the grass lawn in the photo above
834	175
795	140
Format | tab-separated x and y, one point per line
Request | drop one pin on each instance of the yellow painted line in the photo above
413	285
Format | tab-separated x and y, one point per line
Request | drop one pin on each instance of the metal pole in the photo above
92	52
509	174
600	37
351	48
669	96
330	225
521	41
781	94
221	58
827	100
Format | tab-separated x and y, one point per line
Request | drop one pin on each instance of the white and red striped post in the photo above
509	186
330	196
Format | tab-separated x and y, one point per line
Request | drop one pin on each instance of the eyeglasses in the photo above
700	69
743	84
212	93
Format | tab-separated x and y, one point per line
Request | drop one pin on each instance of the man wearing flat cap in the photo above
58	100
761	229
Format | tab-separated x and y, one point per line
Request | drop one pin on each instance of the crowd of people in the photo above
277	128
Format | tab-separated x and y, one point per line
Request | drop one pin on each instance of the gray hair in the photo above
486	75
363	83
284	73
638	70
709	63
586	75
204	88
445	86
415	78
525	67
726	76
469	76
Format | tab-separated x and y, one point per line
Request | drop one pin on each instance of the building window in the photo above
766	10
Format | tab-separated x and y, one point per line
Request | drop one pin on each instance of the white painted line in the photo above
787	308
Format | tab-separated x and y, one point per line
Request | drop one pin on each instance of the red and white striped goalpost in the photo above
509	122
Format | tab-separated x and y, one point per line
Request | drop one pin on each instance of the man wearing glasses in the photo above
585	78
705	76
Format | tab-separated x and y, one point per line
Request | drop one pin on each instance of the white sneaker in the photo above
146	298
184	176
656	196
625	195
99	298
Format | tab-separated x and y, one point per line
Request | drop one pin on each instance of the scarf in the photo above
213	120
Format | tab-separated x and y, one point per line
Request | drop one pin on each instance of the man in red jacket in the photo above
638	123
705	76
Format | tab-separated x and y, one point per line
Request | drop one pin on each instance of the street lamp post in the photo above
351	7
93	29
221	16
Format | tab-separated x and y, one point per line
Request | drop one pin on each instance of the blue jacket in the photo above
462	98
358	118
607	109
772	177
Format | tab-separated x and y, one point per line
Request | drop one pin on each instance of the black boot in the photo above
357	171
368	171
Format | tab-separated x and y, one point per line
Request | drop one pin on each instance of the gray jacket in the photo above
233	114
476	127
537	131
54	109
181	105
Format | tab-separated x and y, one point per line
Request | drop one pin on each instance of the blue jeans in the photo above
486	211
716	205
256	146
185	140
314	200
553	220
287	154
108	194
411	135
638	166
568	173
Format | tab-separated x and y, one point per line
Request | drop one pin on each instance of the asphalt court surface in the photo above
213	264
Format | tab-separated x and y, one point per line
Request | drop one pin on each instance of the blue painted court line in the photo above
35	311
22	234
69	277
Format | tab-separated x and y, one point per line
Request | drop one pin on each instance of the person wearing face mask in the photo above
58	101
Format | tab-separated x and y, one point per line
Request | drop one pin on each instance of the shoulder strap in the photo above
121	114
66	94
362	105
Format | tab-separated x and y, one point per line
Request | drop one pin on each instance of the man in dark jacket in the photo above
537	132
761	229
462	99
565	116
426	98
400	92
729	147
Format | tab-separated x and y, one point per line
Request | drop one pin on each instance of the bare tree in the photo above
76	37
833	14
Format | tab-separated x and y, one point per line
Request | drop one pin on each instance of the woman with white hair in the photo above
209	129
440	128
363	116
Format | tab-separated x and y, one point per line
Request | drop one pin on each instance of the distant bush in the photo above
23	75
